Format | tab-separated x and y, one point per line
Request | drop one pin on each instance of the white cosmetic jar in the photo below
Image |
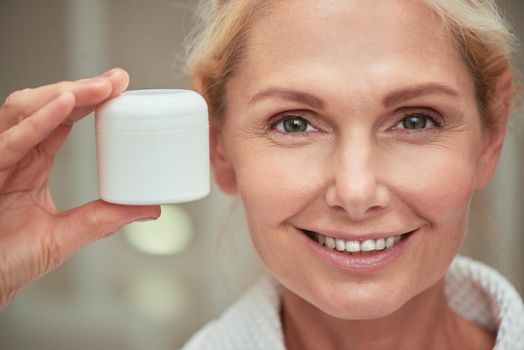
153	147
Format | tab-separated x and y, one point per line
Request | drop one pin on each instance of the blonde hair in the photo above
216	46
486	43
483	37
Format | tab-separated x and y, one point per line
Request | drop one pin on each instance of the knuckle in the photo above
100	227
51	254
94	219
64	86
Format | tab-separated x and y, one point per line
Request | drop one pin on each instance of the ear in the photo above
495	133
223	170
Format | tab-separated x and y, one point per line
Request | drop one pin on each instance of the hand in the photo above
35	237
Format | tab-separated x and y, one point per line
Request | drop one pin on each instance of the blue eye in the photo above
293	125
416	121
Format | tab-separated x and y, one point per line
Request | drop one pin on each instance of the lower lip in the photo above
363	262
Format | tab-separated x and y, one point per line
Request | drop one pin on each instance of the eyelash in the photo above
436	124
273	125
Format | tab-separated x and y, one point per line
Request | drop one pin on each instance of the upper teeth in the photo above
357	246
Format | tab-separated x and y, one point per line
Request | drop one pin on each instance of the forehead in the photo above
351	42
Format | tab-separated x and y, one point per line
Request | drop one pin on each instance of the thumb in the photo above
98	219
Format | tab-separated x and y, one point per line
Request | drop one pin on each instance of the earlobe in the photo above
495	132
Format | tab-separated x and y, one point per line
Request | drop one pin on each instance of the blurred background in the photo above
154	284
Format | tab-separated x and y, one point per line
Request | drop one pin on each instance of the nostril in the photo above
359	198
359	213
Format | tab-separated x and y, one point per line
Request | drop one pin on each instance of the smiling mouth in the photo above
368	246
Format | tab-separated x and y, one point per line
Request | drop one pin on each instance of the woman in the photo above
354	132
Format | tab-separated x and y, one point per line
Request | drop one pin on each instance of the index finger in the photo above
87	92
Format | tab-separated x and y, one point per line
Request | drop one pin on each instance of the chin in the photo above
360	309
359	306
352	301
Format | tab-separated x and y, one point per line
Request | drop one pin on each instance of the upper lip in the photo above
349	236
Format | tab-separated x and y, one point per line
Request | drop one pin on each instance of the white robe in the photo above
474	290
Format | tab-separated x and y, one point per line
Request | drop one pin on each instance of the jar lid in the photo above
153	110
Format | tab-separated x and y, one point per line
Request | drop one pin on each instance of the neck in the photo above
424	322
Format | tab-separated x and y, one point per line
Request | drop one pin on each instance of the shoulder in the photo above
252	322
483	295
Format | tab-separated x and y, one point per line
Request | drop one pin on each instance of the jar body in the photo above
141	167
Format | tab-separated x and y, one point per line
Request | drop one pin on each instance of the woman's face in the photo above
357	120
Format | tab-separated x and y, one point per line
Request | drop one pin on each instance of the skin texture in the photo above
356	169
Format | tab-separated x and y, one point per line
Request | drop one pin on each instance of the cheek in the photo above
435	186
437	183
276	183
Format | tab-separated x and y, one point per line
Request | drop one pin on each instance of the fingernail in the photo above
146	219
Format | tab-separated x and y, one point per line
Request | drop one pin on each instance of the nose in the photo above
358	187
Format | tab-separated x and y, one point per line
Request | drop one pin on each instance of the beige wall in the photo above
23	45
90	301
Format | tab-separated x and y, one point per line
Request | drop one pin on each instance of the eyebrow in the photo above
390	99
288	94
412	92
